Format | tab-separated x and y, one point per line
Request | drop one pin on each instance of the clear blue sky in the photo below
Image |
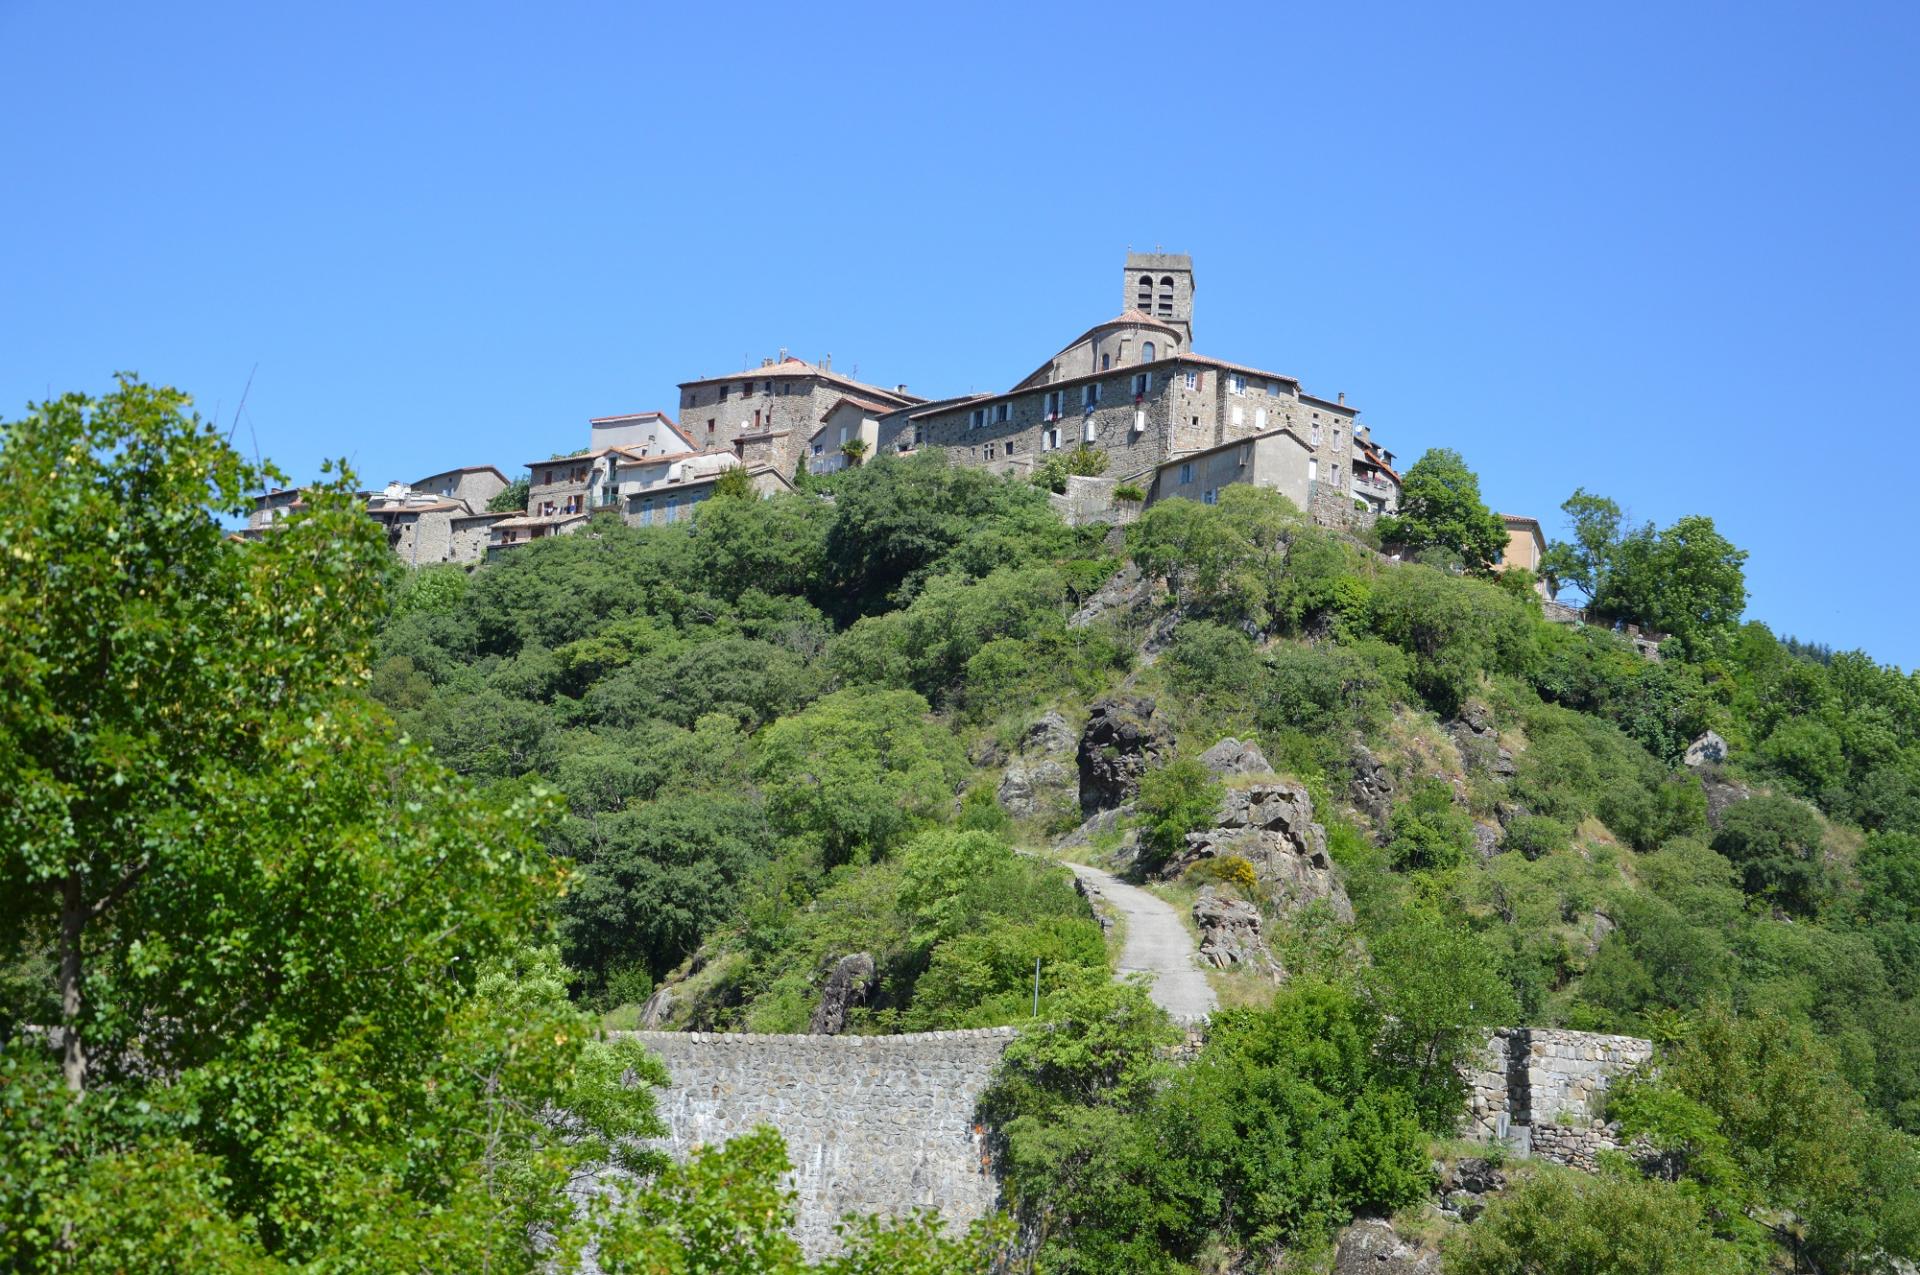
1667	252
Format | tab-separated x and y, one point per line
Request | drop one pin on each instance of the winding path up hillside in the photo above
1157	944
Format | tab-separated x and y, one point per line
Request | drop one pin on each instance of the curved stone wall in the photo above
874	1124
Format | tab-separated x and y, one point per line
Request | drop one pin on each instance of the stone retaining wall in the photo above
1540	1091
874	1124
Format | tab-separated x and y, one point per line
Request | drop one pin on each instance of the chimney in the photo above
826	363
766	362
1343	398
900	388
783	354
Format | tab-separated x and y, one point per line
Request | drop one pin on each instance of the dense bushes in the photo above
1280	1130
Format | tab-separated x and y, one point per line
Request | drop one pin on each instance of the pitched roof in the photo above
1176	458
790	367
466	469
401	505
630	416
864	404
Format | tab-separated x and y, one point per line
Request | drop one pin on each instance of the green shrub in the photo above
1776	842
1428	830
1181	797
1535	835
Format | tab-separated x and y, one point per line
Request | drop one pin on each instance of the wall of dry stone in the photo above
874	1124
1540	1091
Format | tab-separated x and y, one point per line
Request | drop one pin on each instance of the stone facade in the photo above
1133	388
1275	459
874	1124
769	414
1540	1091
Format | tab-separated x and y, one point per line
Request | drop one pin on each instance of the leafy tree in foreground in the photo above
1440	507
297	1021
1688	580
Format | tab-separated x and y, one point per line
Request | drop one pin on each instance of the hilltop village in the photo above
1128	411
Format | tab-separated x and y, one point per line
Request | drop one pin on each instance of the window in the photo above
1236	384
1105	362
1049	439
1260	418
1239	415
673	508
1193	380
1009	447
818	448
1166	296
1055	401
646	512
1336	435
723	394
756	418
1146	352
843	435
769	388
1246	454
1273	389
1003	412
1334	473
709	424
1090	396
919	435
1186	472
1142	382
1090	433
989	451
1316	433
1211	496
1313	469
1139	420
976	418
1144	298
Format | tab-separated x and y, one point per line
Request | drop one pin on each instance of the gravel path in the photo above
1157	943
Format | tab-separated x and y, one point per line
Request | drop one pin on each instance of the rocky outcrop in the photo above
1271	826
1372	1247
1117	745
1233	757
1230	934
1462	1187
1709	749
849	985
1050	736
1124	593
1371	789
1478	739
1029	788
1721	793
657	1010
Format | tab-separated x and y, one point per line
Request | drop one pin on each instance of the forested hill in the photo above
298	977
779	734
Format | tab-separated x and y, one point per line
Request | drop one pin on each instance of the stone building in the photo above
1526	549
1277	458
644	433
658	490
1375	481
440	518
1133	388
770	414
850	420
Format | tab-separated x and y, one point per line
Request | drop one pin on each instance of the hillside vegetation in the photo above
714	760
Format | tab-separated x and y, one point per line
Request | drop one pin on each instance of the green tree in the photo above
1180	797
1777	843
734	484
1586	561
513	496
1560	1222
290	969
858	771
1440	507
